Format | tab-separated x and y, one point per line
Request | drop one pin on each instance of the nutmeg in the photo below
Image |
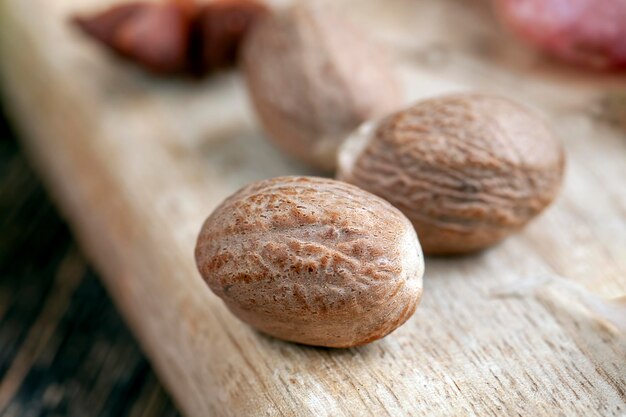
312	78
312	260
467	169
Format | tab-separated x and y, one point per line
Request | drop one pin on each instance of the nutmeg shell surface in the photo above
468	169
311	260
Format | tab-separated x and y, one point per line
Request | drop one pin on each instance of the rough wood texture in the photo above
64	350
138	163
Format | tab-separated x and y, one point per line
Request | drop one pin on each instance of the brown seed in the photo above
312	260
313	78
467	169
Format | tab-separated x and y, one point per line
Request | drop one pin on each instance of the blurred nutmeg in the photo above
467	169
312	260
312	78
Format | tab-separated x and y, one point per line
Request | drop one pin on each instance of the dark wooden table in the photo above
64	349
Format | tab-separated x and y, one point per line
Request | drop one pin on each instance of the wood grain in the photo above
137	163
64	350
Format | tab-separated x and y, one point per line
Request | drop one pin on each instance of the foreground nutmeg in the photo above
313	261
313	78
467	169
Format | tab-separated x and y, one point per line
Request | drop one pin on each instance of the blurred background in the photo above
64	349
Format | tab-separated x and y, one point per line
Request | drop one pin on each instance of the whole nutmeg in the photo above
311	260
313	78
467	169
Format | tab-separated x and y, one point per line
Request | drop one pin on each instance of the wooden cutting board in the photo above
136	163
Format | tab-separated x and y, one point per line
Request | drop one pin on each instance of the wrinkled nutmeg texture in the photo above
467	169
313	78
313	261
176	37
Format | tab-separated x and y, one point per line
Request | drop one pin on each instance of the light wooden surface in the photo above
137	163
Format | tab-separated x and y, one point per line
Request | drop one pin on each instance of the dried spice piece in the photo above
157	37
175	37
219	29
103	27
586	32
153	35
